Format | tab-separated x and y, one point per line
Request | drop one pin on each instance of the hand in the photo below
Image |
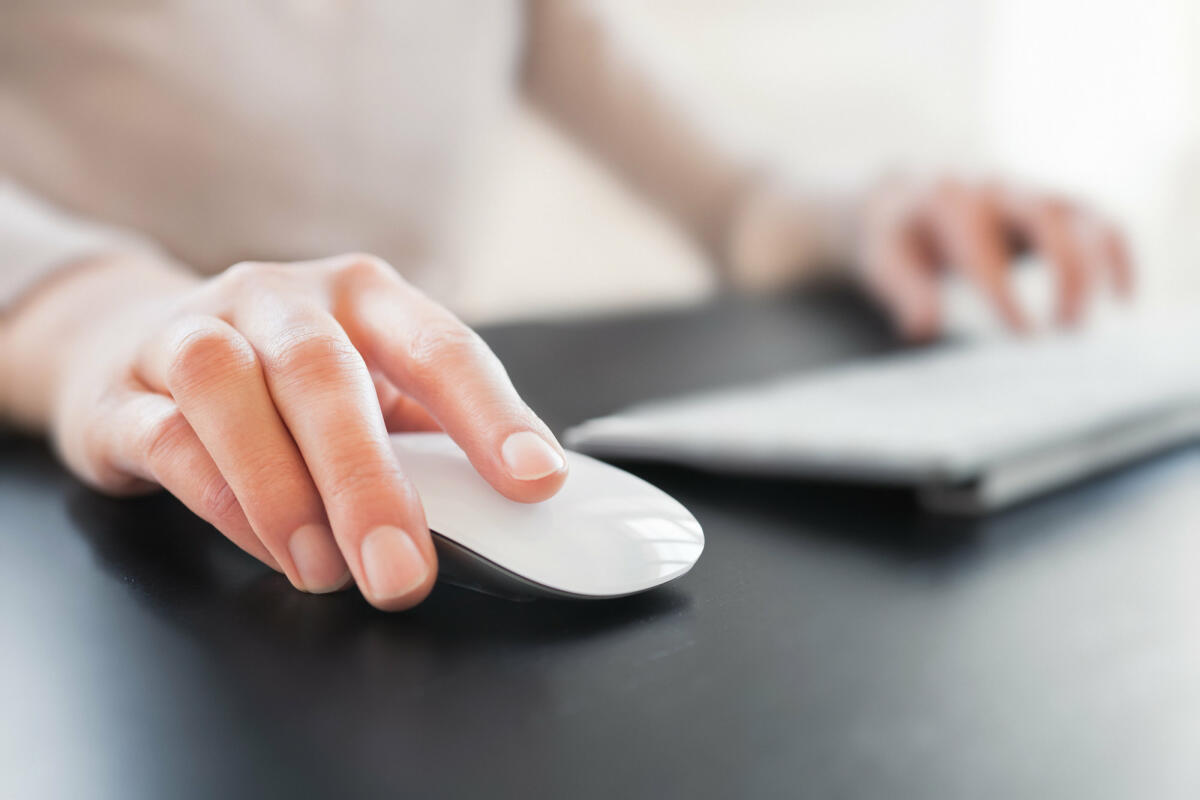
902	234
262	399
911	231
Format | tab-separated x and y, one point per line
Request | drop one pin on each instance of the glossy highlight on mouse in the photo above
605	534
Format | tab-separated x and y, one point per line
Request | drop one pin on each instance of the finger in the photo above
443	365
1116	257
1054	230
900	277
214	377
147	437
400	412
326	398
1055	234
971	231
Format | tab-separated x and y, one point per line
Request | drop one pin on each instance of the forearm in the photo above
38	334
759	230
585	81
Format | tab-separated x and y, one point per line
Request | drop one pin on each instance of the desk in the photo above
831	642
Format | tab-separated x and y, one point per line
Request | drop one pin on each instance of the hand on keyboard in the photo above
910	231
976	427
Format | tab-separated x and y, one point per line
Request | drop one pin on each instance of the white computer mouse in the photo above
606	533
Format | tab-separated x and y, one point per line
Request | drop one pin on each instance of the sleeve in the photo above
591	82
37	239
757	227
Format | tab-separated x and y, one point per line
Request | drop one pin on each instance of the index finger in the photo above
971	229
430	354
325	396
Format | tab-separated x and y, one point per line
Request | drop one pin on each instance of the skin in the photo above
913	231
262	398
905	233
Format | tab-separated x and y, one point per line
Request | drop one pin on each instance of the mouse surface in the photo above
605	534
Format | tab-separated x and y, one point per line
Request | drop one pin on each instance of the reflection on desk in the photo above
832	642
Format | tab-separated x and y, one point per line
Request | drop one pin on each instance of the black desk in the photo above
831	642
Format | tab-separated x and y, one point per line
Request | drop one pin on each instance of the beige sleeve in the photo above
37	239
585	78
759	229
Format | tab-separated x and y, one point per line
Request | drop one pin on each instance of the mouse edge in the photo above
461	566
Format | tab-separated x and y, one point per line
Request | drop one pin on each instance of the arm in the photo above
262	398
37	240
39	246
898	234
585	80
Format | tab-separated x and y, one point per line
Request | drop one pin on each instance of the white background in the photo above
1095	98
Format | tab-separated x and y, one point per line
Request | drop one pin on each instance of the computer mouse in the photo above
605	534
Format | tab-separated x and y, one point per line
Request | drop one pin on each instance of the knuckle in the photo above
165	438
381	479
252	278
364	266
434	349
209	353
241	273
217	499
243	269
304	354
356	274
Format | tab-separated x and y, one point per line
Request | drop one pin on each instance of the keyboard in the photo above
974	427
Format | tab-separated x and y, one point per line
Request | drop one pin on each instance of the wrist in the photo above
40	336
782	235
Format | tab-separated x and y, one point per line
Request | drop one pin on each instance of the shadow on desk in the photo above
832	641
179	566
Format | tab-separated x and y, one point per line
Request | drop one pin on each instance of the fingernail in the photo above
529	457
392	563
318	561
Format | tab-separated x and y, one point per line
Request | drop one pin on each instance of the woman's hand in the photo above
911	231
903	233
262	399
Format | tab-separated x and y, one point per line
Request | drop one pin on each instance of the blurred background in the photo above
1095	98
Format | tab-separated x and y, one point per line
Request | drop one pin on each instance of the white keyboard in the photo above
973	426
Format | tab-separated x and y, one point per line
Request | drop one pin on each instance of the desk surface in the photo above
830	643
